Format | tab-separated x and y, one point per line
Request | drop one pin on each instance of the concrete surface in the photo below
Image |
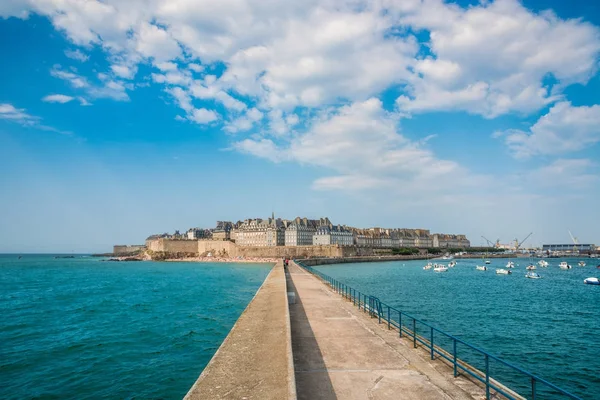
342	353
255	360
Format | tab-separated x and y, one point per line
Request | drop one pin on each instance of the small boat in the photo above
440	268
532	275
564	265
452	264
581	263
591	281
502	271
481	268
543	263
428	266
530	267
488	262
510	264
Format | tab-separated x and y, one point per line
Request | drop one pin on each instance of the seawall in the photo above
255	359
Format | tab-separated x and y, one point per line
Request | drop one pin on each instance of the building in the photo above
261	232
423	238
333	234
300	231
222	231
198	233
569	248
447	241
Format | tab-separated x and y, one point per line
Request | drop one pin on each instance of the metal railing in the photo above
402	321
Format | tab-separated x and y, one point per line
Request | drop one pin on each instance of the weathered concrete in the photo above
341	353
255	360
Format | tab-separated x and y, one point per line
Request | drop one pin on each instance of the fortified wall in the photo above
230	249
127	249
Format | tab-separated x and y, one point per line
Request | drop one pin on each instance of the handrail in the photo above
375	308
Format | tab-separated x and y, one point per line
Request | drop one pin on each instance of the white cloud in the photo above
10	112
20	116
494	58
57	98
263	148
108	88
196	67
124	71
77	55
13	8
361	142
154	42
203	116
166	66
573	173
183	98
244	122
563	129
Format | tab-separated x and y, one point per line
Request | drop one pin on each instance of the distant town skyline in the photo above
123	118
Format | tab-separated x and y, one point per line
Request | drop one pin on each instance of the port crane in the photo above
575	242
489	242
519	244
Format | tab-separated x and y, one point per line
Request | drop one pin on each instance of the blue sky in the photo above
119	119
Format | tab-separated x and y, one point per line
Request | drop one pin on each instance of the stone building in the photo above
423	238
300	231
198	234
443	240
222	231
332	234
261	232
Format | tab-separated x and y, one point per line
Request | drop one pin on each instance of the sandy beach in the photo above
226	259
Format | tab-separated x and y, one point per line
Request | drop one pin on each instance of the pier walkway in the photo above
342	353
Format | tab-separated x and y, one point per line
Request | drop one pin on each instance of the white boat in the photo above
510	264
543	263
428	266
440	268
488	262
481	268
581	263
452	264
502	271
591	281
530	267
532	275
564	265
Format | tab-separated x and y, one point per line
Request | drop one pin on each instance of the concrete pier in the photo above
255	360
342	353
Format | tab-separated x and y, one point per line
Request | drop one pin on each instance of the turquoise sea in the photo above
548	326
81	328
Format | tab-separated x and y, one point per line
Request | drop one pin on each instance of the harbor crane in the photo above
489	242
575	242
519	244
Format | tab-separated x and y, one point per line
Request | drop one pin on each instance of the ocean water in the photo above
549	326
81	328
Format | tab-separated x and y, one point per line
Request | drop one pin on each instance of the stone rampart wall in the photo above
127	249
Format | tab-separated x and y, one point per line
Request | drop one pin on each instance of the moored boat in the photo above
591	281
440	268
452	264
428	266
510	264
543	263
530	267
564	265
532	275
488	262
481	268
581	263
502	271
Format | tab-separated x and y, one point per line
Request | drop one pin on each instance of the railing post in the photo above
487	377
532	388
431	343
399	323
455	374
378	311
389	323
414	333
